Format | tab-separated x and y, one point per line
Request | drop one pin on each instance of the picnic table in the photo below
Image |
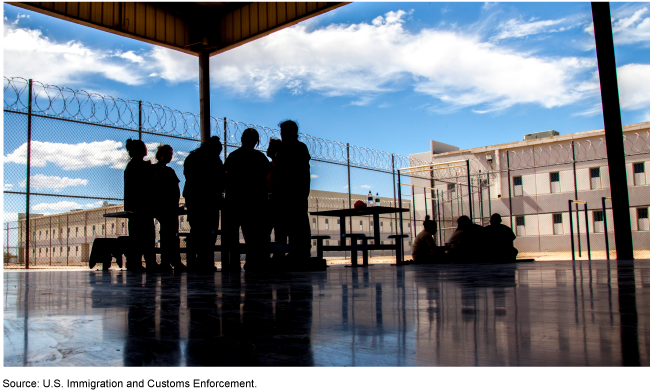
354	247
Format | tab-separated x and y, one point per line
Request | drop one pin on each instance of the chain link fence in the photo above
82	134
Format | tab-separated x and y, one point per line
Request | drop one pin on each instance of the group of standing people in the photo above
470	243
260	196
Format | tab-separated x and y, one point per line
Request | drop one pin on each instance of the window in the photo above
39	235
381	226
639	174
594	174
520	221
39	252
338	224
93	230
68	232
555	182
68	249
642	218
61	235
103	230
360	225
599	223
34	236
451	187
53	234
327	242
53	251
182	223
76	249
76	234
112	228
46	251
409	225
123	231
313	223
518	184
47	233
558	229
327	223
61	250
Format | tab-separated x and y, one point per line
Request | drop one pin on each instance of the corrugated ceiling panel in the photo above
254	16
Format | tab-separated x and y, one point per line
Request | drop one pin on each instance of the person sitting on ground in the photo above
425	249
247	197
501	240
204	184
467	242
166	209
138	180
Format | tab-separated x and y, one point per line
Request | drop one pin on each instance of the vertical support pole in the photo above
469	193
573	251
29	171
587	232
510	186
204	91
401	223
605	228
225	138
489	195
7	246
415	225
575	190
394	194
424	193
613	130
347	148
67	238
49	233
139	119
439	226
480	197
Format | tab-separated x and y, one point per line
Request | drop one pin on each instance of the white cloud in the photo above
633	82
358	60
365	187
516	28
53	182
629	25
61	205
179	157
8	186
67	62
9	216
76	156
314	176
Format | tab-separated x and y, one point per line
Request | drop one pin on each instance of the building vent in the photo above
534	136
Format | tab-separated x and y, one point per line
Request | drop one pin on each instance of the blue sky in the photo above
387	76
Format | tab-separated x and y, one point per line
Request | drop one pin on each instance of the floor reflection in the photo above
532	314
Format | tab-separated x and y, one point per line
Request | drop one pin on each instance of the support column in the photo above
204	91
613	130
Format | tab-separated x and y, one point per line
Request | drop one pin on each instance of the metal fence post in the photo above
575	190
349	184
605	228
469	193
29	171
225	138
140	120
573	252
439	226
510	187
587	232
398	192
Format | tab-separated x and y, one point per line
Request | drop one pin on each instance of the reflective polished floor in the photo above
527	314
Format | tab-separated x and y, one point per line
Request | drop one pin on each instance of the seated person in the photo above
500	237
425	249
467	243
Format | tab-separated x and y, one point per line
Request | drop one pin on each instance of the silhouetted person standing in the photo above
204	184
138	185
292	191
501	240
247	197
166	209
274	214
424	247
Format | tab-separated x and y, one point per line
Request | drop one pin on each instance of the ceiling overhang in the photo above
189	27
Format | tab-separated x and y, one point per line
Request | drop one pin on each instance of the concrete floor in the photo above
527	314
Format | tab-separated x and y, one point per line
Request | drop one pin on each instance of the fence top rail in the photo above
578	202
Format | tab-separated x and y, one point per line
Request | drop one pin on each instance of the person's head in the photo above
213	144
430	225
274	147
495	219
289	130
136	148
164	154
250	138
463	222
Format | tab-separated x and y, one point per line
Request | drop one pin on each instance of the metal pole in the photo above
587	232
480	197
575	189
573	251
225	138
29	171
415	225
400	192
489	195
139	120
605	228
424	193
204	93
401	223
349	183
439	226
49	233
613	130
469	193
67	239
509	186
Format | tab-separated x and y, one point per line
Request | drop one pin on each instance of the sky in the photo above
386	76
